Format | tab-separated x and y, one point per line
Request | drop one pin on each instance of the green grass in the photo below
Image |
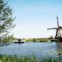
37	40
25	59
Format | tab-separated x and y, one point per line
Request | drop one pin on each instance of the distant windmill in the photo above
58	31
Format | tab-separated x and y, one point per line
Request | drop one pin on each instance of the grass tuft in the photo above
5	58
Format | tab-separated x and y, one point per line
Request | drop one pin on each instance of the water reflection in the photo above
38	49
59	49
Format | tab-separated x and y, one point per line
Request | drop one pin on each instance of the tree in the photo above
6	20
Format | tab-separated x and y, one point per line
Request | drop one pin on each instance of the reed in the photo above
25	59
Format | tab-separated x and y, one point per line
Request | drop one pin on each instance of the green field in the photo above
37	40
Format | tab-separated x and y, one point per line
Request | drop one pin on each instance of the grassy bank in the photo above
37	40
25	59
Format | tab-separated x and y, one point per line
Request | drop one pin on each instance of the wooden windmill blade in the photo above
51	28
57	22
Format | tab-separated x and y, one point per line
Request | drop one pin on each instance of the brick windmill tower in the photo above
58	35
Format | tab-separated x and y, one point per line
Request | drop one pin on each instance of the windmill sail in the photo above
51	28
57	22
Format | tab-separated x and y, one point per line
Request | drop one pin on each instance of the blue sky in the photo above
33	17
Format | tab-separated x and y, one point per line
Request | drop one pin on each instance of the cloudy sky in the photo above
33	17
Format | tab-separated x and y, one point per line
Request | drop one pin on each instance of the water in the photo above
38	49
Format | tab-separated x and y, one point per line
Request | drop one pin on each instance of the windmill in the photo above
58	35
